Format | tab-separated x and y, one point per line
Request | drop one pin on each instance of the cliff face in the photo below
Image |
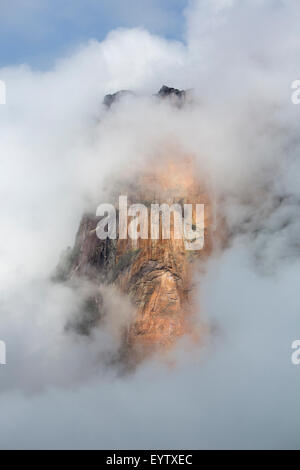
157	275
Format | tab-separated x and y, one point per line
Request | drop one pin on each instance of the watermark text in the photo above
296	354
2	92
2	353
161	221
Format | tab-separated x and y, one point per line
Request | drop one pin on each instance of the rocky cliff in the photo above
157	275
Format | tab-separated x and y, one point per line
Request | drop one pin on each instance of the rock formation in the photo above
157	275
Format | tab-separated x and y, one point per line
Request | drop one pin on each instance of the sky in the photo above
36	32
58	147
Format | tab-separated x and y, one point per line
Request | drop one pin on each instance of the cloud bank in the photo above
58	148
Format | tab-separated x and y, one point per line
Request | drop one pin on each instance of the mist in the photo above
60	147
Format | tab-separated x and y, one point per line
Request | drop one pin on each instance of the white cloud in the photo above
57	144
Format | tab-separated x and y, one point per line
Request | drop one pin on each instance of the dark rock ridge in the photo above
166	91
115	97
177	96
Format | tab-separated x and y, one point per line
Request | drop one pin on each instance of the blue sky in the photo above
39	31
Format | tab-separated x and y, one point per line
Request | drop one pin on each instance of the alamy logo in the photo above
296	354
2	353
2	92
188	223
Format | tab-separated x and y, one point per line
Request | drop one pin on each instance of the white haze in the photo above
58	145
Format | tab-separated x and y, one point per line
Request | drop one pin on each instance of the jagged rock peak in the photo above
167	91
164	92
110	99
